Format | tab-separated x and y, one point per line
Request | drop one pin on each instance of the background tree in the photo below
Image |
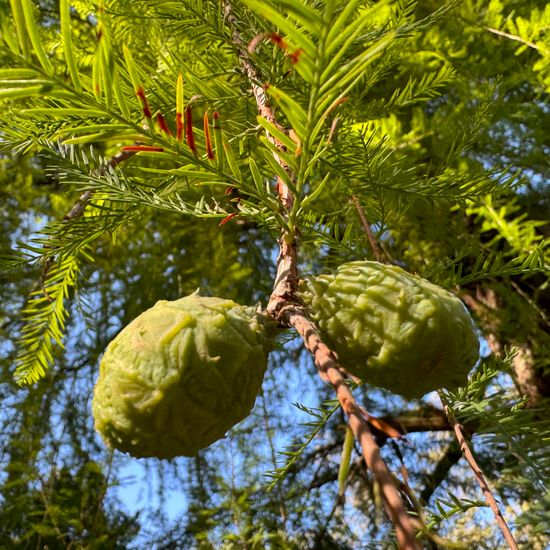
421	128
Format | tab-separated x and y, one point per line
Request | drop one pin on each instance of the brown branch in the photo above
425	419
367	229
420	522
262	101
328	368
284	307
487	305
466	451
419	420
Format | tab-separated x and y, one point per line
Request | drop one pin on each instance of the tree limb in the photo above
486	304
366	227
284	307
481	479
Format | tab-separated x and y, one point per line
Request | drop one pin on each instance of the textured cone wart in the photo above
179	376
393	329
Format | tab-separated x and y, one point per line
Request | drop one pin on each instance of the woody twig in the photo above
487	493
285	307
366	227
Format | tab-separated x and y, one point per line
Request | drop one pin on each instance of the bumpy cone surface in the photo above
179	376
393	329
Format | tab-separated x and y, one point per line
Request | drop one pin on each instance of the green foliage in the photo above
66	509
502	422
295	451
45	316
450	506
432	118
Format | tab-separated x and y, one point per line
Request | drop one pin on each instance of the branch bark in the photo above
486	304
366	227
285	308
468	455
295	316
425	419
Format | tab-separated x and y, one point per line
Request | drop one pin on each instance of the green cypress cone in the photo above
393	329
179	376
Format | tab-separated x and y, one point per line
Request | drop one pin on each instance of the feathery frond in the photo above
321	416
44	319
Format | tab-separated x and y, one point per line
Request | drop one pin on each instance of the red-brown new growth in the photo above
295	56
381	425
215	118
233	192
228	218
162	124
140	92
278	40
209	150
179	126
189	137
